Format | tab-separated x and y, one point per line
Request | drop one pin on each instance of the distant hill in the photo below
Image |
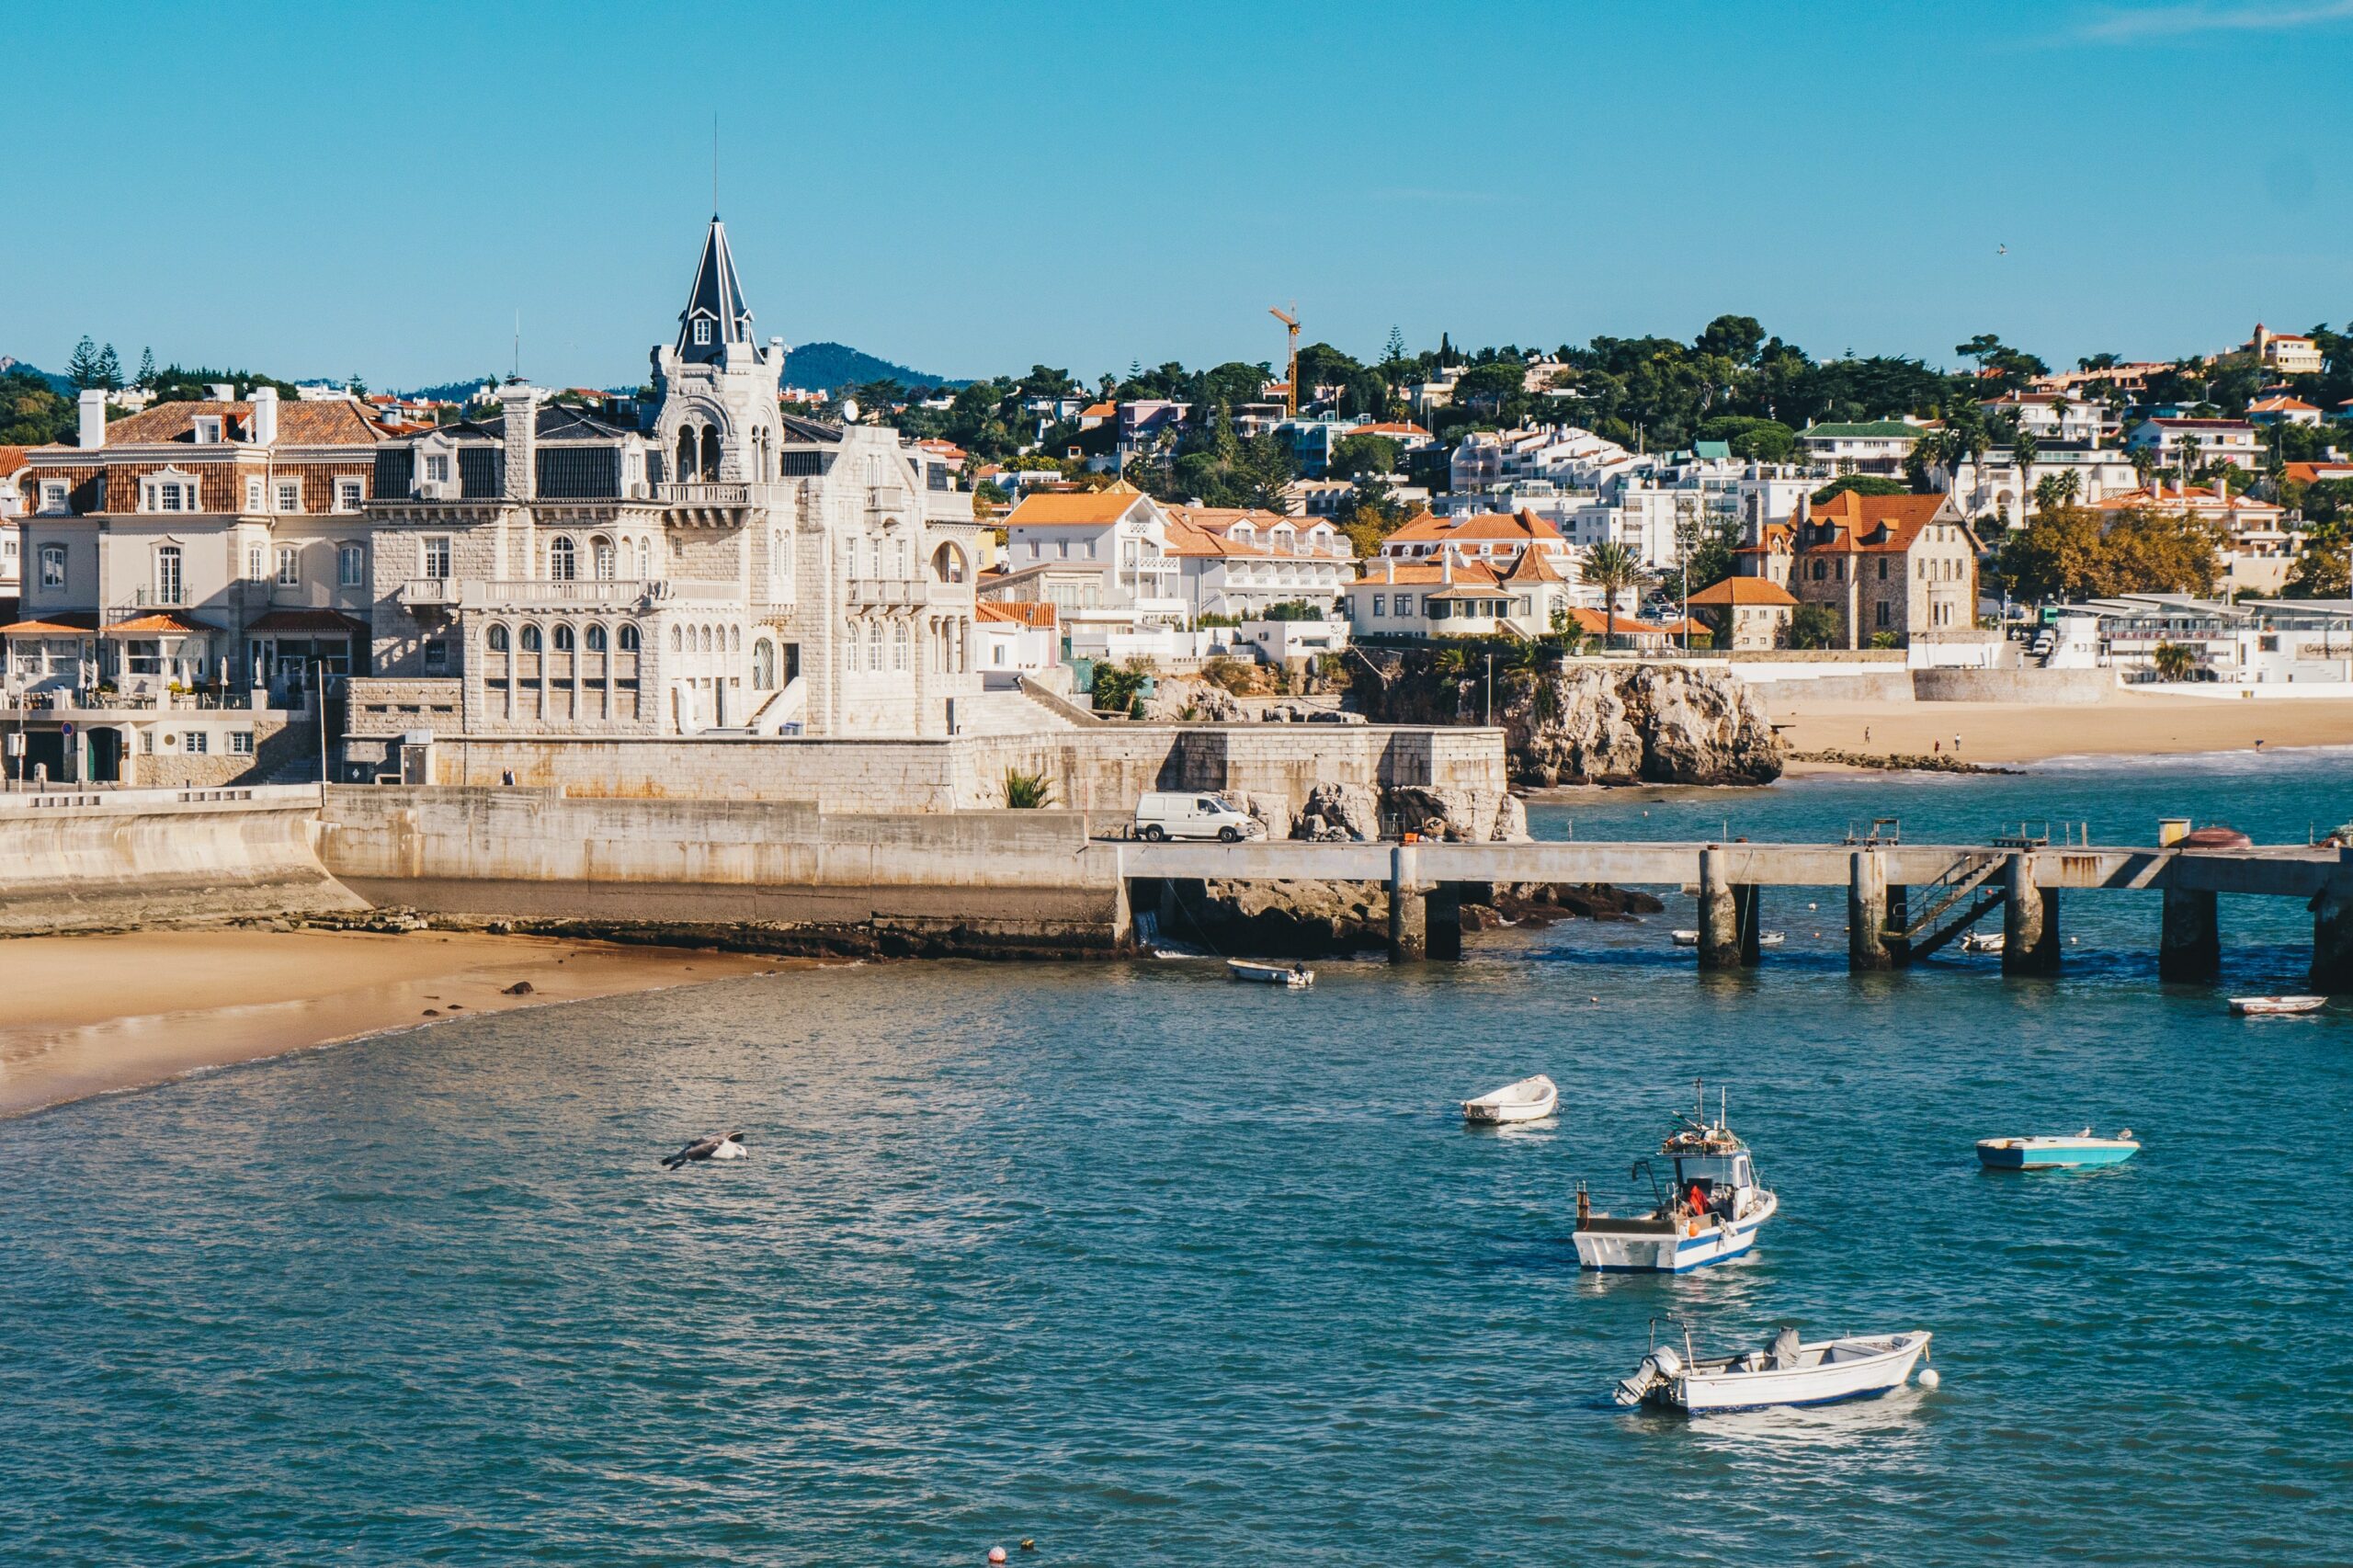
838	365
56	383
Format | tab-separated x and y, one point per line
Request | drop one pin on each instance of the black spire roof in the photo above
718	300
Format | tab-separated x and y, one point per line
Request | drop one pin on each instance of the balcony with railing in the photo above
564	593
706	493
904	592
429	591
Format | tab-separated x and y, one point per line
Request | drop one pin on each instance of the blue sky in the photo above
322	190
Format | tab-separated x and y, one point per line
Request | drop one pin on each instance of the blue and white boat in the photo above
2082	1152
1712	1212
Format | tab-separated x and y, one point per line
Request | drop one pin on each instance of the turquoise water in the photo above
1152	1268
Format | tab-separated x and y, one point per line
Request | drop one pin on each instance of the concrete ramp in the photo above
110	860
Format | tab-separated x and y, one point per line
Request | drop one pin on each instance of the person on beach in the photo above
1956	742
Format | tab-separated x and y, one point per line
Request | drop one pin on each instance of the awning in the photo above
61	623
306	622
161	623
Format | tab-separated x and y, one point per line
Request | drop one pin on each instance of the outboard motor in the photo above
1660	1368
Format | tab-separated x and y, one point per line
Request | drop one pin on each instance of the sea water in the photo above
1149	1267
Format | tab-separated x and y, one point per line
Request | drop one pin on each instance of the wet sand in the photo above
81	1015
2125	725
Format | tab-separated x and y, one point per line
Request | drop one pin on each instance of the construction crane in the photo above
1291	322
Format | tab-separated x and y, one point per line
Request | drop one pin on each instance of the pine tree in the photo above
83	369
1396	349
110	370
146	368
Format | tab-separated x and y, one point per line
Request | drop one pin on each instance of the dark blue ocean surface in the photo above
1152	1268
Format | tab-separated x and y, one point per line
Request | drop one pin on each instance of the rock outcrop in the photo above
1594	722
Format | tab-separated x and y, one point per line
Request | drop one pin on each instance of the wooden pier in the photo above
1904	900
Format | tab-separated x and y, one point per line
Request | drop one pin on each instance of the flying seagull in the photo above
2001	250
727	1147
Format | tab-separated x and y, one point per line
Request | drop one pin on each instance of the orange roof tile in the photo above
1421	573
1423	529
159	621
1074	509
1028	612
11	458
1872	524
53	623
1597	624
1742	591
337	422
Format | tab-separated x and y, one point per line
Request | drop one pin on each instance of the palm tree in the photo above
2174	661
1614	569
2188	460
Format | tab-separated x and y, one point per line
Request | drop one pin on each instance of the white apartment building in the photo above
1991	486
2217	440
2051	416
1877	446
1563	455
1234	561
1099	557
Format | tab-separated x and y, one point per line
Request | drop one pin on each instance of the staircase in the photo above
1962	883
1008	713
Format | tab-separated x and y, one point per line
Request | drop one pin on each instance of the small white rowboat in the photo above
1856	1367
1530	1099
1982	942
2271	1006
1297	977
1764	938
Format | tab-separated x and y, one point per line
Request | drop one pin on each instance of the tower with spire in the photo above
716	385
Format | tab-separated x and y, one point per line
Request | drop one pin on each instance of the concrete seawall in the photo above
775	875
103	860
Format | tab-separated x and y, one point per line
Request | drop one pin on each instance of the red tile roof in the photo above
1875	524
337	422
1028	612
1524	525
1742	591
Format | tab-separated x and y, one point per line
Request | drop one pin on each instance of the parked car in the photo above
1166	814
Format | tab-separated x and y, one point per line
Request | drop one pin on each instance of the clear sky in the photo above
320	189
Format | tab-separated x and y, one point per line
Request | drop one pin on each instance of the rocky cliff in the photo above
1590	722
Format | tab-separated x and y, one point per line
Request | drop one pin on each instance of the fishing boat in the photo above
1982	942
2273	1006
2081	1151
1860	1366
1530	1099
1296	976
1712	1211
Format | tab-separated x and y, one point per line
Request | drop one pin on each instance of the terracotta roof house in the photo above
1748	613
1898	566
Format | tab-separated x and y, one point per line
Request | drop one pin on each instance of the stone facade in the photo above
710	565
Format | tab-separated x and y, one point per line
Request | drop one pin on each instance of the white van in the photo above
1167	815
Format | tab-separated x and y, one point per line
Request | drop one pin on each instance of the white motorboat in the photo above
1530	1099
1712	1211
1296	976
1787	1372
2273	1006
1982	942
1764	938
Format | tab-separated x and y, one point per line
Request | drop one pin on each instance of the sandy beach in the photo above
85	1015
2125	725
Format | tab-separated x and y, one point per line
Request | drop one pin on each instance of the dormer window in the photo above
437	467
208	430
702	332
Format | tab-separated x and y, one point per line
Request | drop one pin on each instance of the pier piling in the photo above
1748	914
1442	920
2030	920
1408	918
2189	942
1720	940
1867	946
2332	909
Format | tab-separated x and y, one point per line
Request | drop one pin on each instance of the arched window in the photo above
763	665
735	638
901	643
850	646
531	639
686	452
562	638
706	639
498	640
874	646
562	560
629	637
711	451
645	558
600	550
674	640
595	637
947	564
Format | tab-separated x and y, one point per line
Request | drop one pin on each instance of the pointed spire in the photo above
715	315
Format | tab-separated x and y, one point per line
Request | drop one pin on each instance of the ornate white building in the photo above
716	566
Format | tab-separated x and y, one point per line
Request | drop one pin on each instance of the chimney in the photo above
2222	490
521	401
265	424
220	392
93	406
